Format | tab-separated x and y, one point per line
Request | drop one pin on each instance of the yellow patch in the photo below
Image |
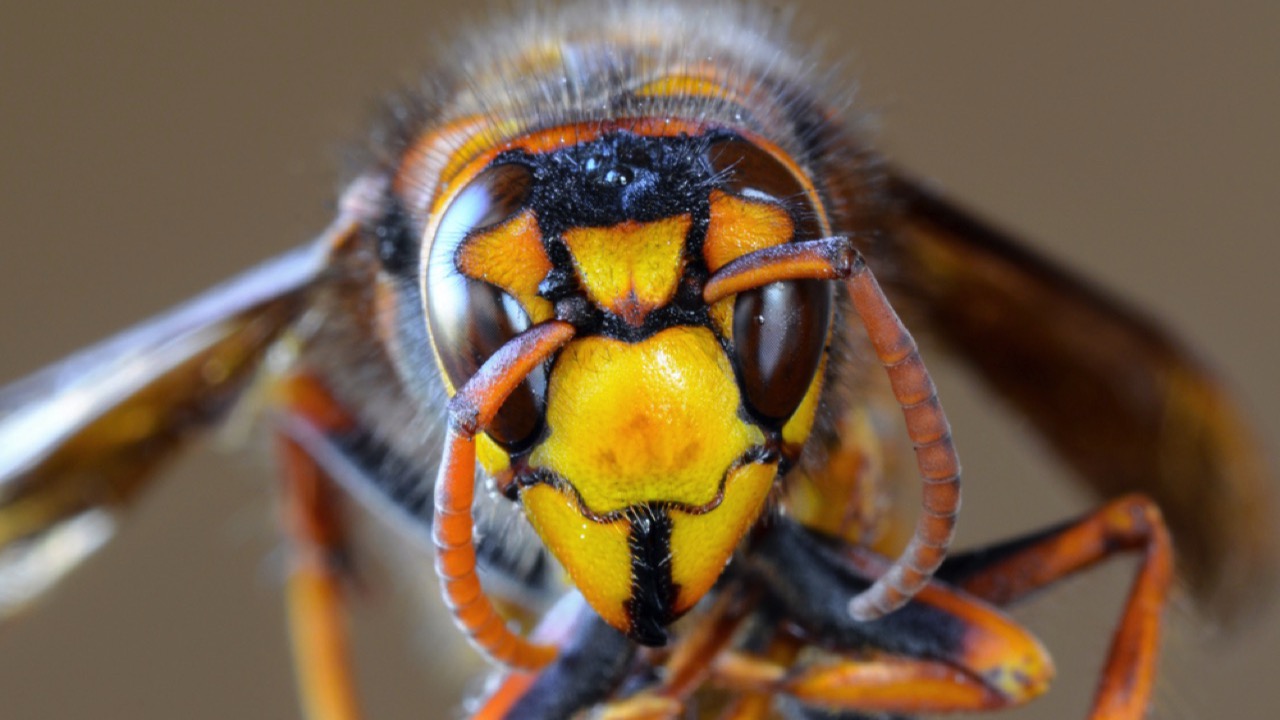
684	86
631	268
722	316
740	226
701	544
650	421
797	429
491	456
596	555
854	471
511	257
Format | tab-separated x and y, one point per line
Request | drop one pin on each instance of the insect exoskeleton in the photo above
620	253
603	181
653	441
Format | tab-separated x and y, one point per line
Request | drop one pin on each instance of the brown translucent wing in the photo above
1122	402
81	438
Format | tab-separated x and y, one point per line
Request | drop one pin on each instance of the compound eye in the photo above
779	334
779	330
469	319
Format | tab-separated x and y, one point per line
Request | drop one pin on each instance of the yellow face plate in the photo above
596	555
653	421
642	430
702	543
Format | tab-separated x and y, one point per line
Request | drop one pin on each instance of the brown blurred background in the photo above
148	150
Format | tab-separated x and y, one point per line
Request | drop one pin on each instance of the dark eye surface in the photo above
744	168
469	319
779	334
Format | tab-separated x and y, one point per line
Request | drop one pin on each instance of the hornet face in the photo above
649	445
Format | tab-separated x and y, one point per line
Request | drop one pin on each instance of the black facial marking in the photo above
617	177
653	592
579	311
560	282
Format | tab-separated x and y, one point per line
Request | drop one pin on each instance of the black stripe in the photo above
653	592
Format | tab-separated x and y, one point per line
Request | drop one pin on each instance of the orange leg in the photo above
888	684
691	659
749	706
315	589
758	704
315	585
1133	523
944	651
1008	572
